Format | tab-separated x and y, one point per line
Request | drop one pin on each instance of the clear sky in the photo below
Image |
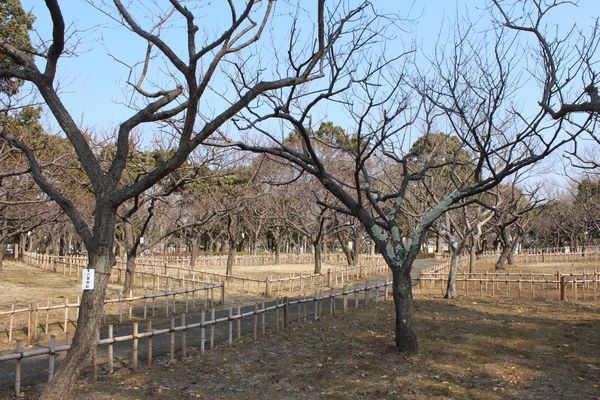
93	80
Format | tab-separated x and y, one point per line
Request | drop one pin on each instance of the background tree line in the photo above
423	149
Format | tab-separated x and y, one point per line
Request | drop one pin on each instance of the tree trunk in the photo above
278	241
230	258
22	242
406	338
318	258
510	258
194	252
88	324
100	258
254	244
503	257
86	334
2	252
349	251
451	287
506	249
48	249
356	247
232	233
513	247
131	254
129	281
472	259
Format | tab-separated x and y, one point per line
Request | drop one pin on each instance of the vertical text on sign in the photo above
88	279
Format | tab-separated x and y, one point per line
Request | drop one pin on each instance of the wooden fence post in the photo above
331	303
230	323
32	323
149	344
134	353
268	287
52	357
172	340
387	288
10	325
212	329
563	288
286	313
110	351
316	296
18	369
262	320
239	322
345	299
202	332
183	337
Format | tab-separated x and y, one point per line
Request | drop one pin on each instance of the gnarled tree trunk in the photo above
406	338
101	259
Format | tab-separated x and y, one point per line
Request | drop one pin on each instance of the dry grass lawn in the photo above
476	348
484	349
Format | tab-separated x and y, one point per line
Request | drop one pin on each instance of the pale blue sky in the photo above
92	82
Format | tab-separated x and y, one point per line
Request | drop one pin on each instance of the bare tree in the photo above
512	215
189	72
469	90
457	228
565	66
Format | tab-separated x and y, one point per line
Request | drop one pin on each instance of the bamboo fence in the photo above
156	281
283	308
37	318
559	284
570	286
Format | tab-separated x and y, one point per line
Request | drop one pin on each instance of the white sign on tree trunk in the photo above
88	279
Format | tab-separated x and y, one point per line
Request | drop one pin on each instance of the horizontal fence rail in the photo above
73	264
565	286
523	258
38	318
542	257
285	311
158	281
571	286
160	270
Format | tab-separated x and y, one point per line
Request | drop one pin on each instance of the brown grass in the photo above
485	348
21	284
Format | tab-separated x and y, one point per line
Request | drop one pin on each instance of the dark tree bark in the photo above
177	106
406	337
